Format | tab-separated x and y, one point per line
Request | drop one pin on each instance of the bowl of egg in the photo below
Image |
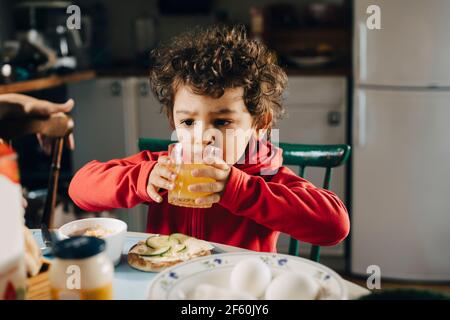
111	230
248	276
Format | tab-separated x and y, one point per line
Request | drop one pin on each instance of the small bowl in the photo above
114	241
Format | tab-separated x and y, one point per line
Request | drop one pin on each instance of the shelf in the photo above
287	41
46	82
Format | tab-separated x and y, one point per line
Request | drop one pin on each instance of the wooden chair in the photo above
322	156
56	126
301	155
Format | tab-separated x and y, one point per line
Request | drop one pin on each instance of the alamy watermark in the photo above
73	281
231	139
74	20
373	21
374	279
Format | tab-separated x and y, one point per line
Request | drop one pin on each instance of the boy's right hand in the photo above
161	177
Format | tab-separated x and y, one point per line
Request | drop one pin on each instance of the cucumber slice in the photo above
179	248
157	242
146	240
175	249
181	238
149	252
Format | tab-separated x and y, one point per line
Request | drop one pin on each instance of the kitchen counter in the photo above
46	82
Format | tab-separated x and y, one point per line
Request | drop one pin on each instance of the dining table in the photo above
132	284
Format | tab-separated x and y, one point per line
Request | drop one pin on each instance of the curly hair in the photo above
212	60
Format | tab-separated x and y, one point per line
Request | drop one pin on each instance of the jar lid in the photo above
78	247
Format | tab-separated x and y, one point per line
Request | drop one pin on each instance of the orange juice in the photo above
102	293
180	195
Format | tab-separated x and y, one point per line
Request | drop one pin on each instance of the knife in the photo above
49	239
217	250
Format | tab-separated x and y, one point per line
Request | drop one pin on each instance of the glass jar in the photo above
81	270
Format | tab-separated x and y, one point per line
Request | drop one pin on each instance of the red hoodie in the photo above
252	212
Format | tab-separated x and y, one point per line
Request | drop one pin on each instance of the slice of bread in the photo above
194	248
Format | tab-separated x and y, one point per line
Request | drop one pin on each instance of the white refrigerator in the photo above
401	141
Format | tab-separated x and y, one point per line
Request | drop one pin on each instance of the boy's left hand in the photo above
218	170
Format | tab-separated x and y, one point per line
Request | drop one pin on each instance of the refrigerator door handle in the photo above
361	57
360	133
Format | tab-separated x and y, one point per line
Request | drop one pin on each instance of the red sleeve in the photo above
120	183
289	204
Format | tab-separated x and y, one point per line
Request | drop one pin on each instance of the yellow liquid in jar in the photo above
180	195
102	293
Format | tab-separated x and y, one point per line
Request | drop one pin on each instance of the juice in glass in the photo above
180	195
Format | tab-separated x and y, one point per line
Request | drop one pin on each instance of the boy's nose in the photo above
206	134
210	140
212	137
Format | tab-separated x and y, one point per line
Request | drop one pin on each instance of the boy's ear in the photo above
265	124
268	120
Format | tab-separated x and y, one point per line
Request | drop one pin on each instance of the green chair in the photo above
309	155
154	145
301	155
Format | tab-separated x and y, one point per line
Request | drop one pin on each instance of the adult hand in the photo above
26	105
33	106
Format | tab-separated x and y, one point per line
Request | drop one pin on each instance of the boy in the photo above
218	81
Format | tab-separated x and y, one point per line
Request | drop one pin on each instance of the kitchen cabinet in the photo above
152	122
316	114
99	120
110	115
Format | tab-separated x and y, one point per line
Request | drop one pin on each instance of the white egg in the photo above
292	286
251	276
210	292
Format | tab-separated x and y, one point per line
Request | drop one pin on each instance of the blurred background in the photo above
337	72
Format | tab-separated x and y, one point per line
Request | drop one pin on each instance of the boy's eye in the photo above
187	122
221	122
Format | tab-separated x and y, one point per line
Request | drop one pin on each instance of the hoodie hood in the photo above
260	158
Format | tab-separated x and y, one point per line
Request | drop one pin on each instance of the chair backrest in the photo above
301	155
153	145
56	126
308	155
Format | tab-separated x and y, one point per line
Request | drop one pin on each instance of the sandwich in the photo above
159	252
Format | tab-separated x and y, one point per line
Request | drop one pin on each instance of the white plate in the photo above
179	280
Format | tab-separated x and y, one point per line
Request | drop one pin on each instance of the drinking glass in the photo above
184	159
